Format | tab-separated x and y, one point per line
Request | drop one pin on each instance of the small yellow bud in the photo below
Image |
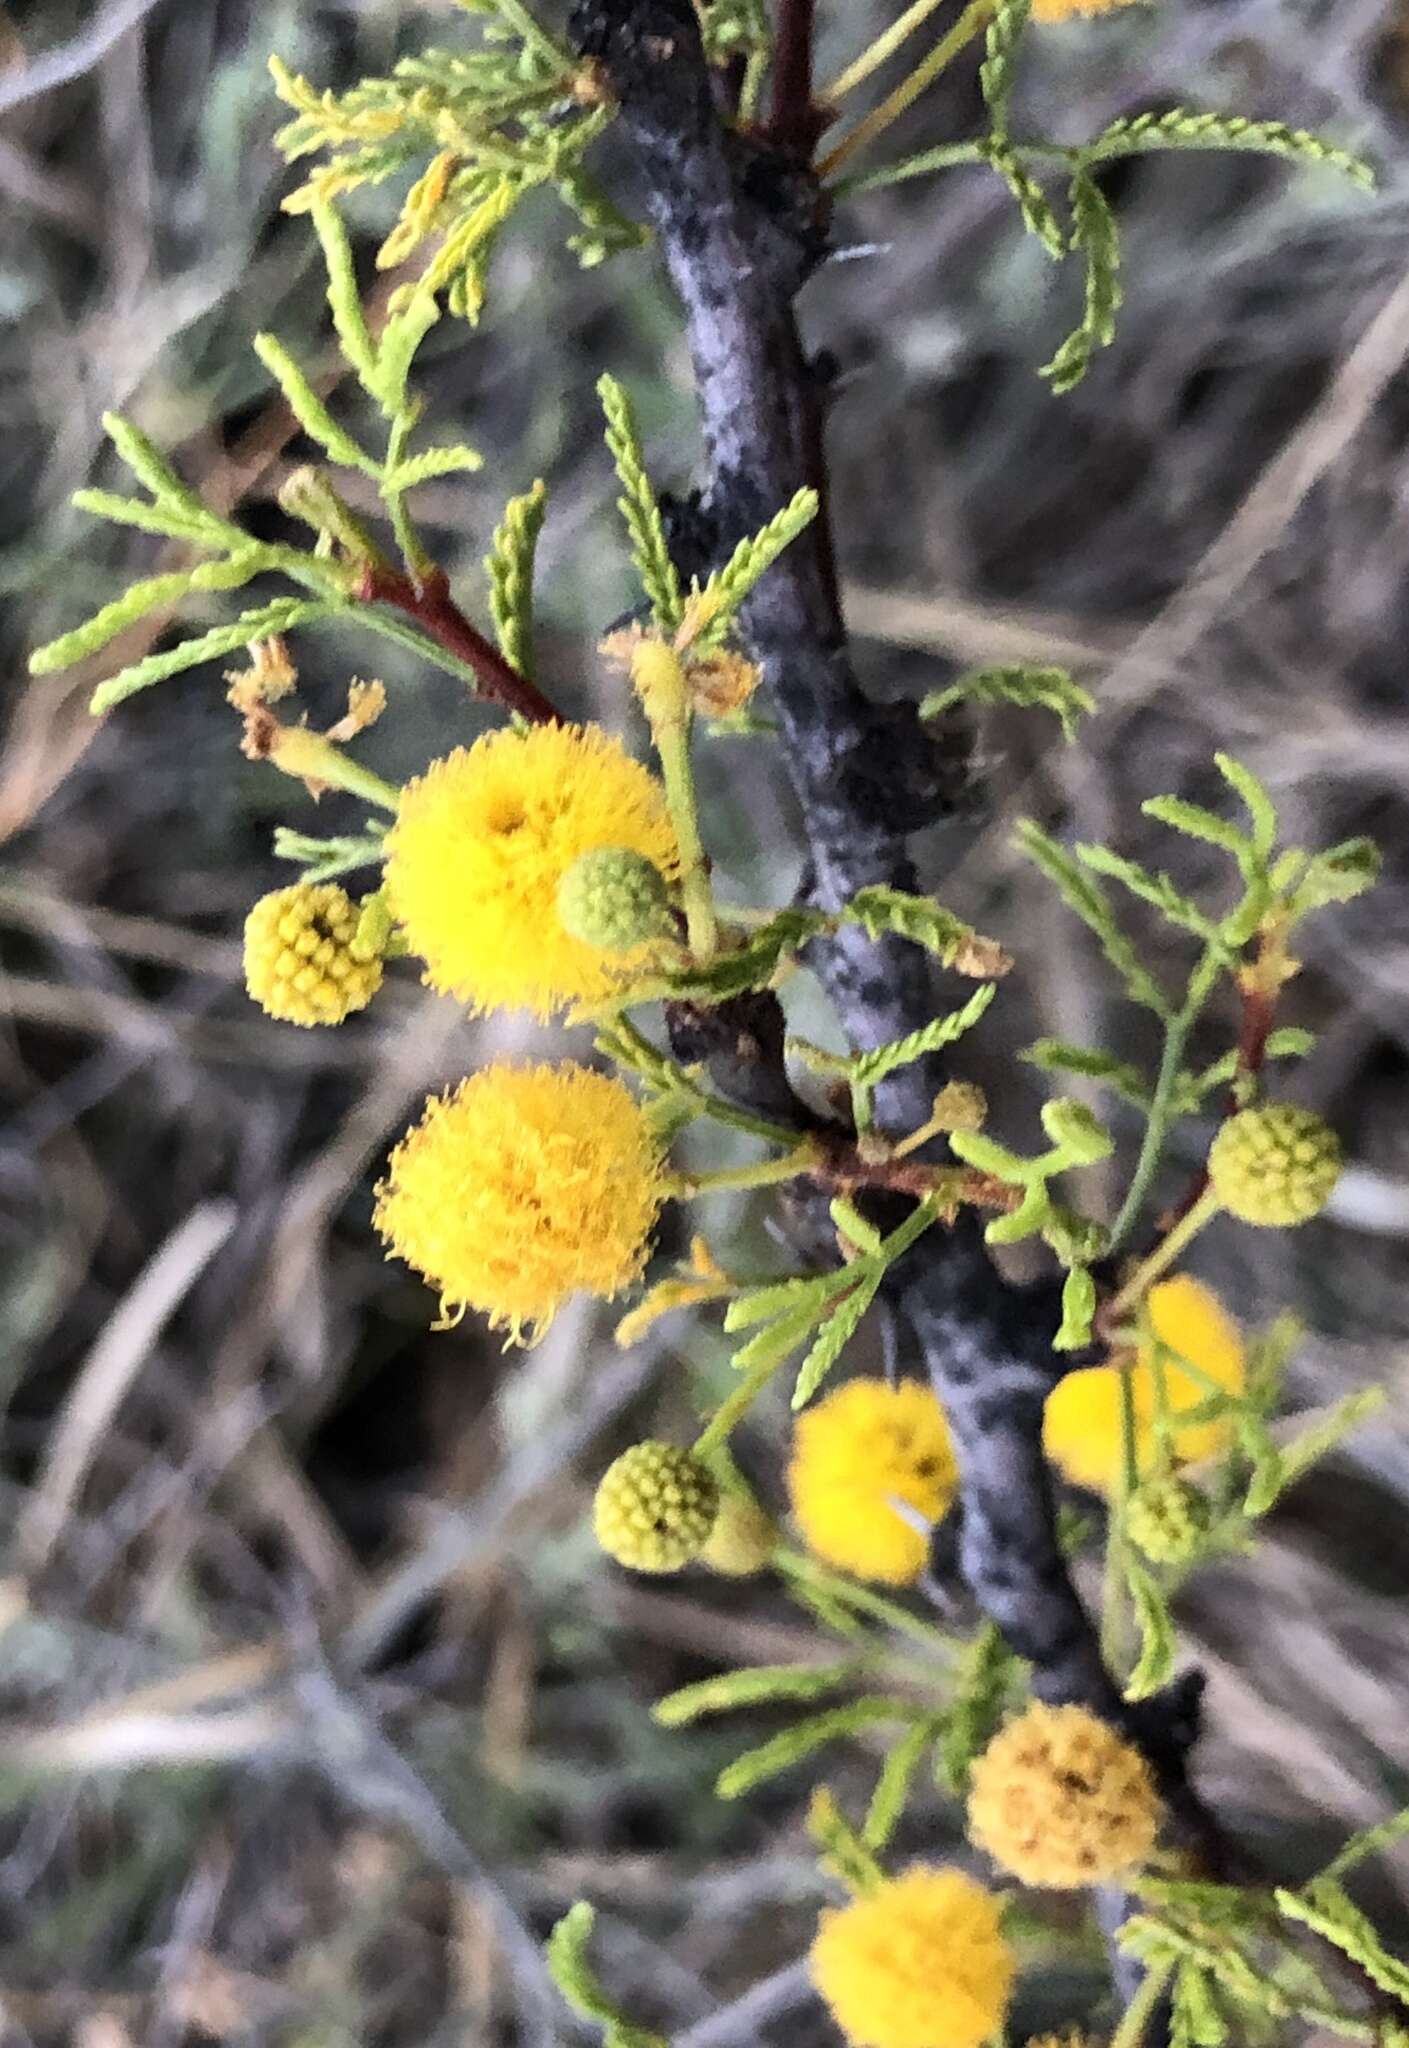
614	899
742	1540
1167	1519
655	1507
303	963
1276	1165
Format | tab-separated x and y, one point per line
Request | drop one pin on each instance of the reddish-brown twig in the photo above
427	601
794	122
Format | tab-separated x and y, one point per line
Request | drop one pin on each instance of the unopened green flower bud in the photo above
614	899
1276	1165
1168	1519
655	1507
742	1540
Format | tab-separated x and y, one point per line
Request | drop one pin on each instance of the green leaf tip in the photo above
571	1970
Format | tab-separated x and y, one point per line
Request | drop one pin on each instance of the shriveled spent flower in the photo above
480	848
1082	1423
655	1507
302	961
1059	1798
1167	1519
742	1540
1276	1165
855	1454
520	1187
1072	2038
920	1962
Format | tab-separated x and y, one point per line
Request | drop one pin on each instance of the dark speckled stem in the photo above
740	226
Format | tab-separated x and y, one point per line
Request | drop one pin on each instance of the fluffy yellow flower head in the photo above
918	1963
302	961
1063	10
521	1186
864	1446
1081	1428
481	844
1058	1798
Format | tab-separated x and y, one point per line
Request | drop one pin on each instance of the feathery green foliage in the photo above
1041	689
571	1970
509	564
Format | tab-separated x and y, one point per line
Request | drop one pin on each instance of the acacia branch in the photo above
740	228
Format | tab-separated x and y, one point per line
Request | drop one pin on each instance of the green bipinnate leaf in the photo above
640	509
752	1686
571	1970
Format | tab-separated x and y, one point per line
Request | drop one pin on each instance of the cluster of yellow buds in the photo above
305	962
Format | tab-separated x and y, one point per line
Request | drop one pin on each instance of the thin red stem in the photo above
1259	1014
429	603
794	123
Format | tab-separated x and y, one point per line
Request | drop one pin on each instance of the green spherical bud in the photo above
1275	1165
655	1507
1168	1519
742	1540
614	899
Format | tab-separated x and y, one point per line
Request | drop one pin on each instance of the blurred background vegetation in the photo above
318	1703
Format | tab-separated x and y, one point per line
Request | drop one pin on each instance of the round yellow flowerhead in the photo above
1082	1424
655	1507
302	962
918	1963
1059	1798
854	1454
520	1187
1167	1519
1063	10
1276	1165
742	1540
480	847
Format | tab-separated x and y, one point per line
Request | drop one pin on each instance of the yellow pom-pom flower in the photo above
920	1962
1063	10
480	847
520	1187
742	1540
854	1454
655	1506
1275	1166
1059	1798
1082	1424
302	961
